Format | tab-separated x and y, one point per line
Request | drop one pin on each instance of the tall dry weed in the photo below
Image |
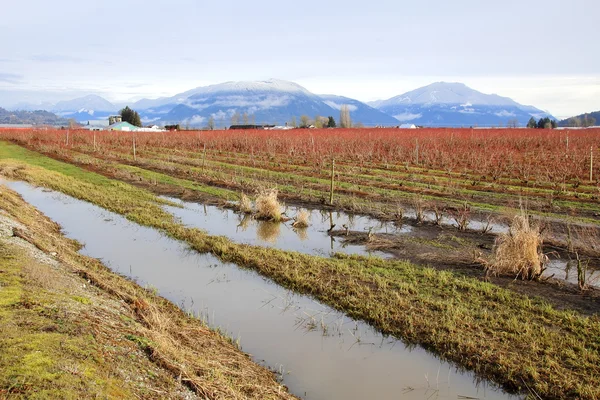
267	205
245	204
518	253
301	220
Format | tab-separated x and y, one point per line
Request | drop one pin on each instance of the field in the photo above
375	169
517	333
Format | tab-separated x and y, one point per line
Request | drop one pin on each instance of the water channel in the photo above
319	352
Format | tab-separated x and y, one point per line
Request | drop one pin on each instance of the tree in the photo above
211	123
540	124
235	118
245	118
73	123
345	121
304	121
131	116
330	122
293	122
513	123
318	122
532	123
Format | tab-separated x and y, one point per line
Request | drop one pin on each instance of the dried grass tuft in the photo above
519	252
245	204
267	205
301	219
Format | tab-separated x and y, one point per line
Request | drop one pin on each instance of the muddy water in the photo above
320	353
564	270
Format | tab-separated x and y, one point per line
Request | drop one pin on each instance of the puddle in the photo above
320	353
565	270
312	240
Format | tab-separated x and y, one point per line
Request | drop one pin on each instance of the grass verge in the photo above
72	329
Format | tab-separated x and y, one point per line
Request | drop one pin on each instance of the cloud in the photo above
6	77
407	116
338	106
505	113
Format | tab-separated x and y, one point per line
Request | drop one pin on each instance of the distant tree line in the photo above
542	123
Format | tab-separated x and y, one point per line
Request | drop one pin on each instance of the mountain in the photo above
91	107
582	120
272	101
455	104
359	112
38	117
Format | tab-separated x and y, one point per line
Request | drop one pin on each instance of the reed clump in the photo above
301	220
268	206
519	251
245	204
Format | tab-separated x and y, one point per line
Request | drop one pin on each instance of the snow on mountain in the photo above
268	102
455	104
274	85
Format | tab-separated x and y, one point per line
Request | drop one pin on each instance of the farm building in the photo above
408	126
122	126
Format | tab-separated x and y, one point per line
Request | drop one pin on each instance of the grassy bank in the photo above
518	341
72	329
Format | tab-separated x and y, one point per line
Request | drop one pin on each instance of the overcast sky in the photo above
539	52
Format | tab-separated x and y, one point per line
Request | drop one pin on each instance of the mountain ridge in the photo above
278	101
455	104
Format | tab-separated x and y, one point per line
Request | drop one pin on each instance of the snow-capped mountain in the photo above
455	104
277	102
269	102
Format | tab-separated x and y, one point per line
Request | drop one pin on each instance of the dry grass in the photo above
301	220
267	205
245	204
519	252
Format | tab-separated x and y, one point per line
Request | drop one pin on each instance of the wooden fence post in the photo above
591	163
332	181
417	151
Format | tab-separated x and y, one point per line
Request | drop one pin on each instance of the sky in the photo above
538	52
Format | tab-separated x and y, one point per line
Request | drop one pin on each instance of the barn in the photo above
122	126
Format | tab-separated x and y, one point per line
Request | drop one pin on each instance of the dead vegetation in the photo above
301	220
245	204
518	252
268	206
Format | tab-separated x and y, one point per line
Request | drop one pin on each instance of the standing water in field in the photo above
313	240
319	352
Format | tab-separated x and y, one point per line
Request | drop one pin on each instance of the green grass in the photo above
310	188
41	345
509	338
